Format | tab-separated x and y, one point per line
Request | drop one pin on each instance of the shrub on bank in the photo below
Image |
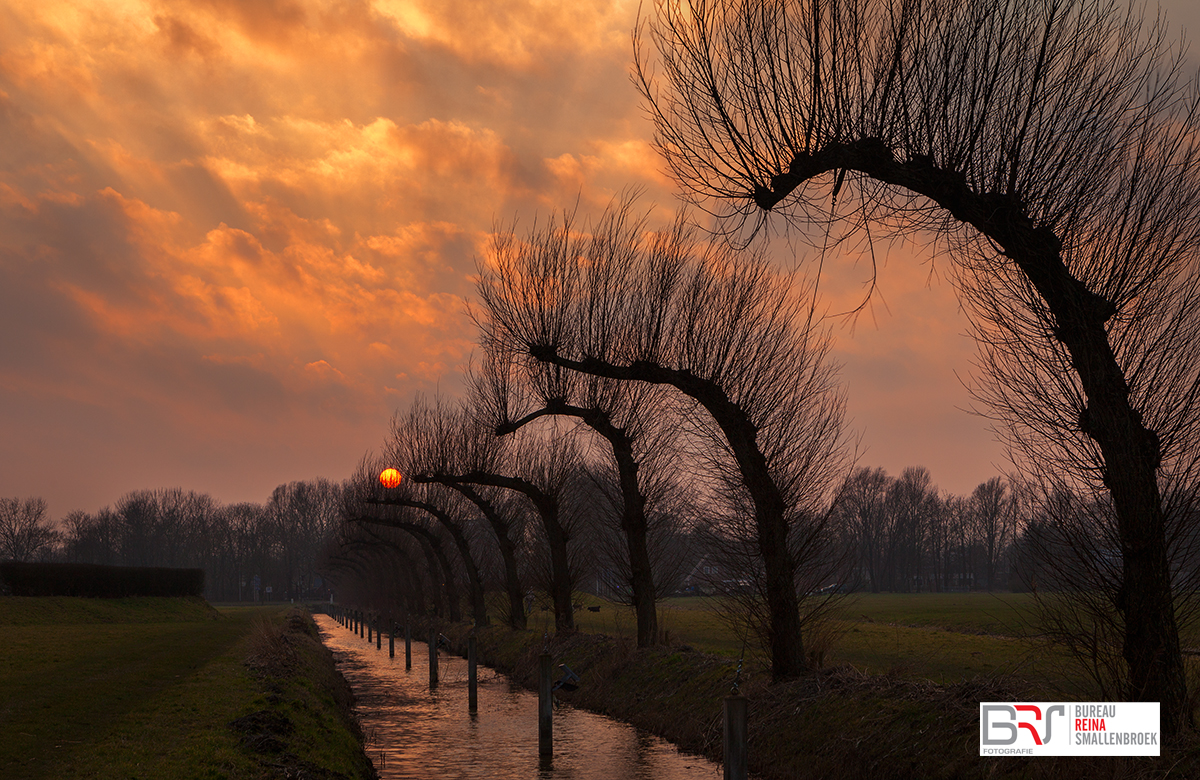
95	581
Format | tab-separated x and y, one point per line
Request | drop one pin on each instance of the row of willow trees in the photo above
1049	148
691	374
647	402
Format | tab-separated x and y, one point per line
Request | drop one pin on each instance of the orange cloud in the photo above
515	34
225	220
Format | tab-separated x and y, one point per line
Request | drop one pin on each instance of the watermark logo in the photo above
1069	729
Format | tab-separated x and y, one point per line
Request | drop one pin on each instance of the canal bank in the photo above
302	724
833	724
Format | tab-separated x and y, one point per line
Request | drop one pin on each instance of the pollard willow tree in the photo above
1054	143
514	391
719	328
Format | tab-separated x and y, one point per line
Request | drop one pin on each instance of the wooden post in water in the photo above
736	757
433	658
545	708
391	637
378	637
407	647
370	624
472	677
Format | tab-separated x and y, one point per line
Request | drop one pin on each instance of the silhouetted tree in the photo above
514	392
994	510
1055	146
436	437
26	533
860	511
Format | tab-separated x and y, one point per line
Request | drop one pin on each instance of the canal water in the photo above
413	732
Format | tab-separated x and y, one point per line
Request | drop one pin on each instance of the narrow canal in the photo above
417	733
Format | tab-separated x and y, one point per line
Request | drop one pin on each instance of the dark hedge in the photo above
92	580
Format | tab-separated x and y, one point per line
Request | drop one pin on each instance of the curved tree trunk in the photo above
633	522
453	599
474	581
633	511
561	583
784	636
1132	453
508	554
437	558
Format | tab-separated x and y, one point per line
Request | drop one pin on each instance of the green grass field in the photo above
938	636
135	688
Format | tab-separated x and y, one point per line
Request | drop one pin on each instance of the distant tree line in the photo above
26	533
240	547
907	537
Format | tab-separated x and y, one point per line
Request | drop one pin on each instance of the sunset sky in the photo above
236	236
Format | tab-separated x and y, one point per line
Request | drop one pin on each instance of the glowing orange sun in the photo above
390	478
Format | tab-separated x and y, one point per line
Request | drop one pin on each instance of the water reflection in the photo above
418	733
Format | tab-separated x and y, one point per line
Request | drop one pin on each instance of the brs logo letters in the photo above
1000	724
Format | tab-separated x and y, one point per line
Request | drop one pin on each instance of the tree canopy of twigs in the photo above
717	327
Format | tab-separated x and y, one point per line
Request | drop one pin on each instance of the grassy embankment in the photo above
899	696
168	688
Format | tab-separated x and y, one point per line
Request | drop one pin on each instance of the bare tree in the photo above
718	327
1069	556
861	513
377	566
516	392
26	533
994	509
435	437
1054	144
363	505
911	502
672	511
961	531
440	507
